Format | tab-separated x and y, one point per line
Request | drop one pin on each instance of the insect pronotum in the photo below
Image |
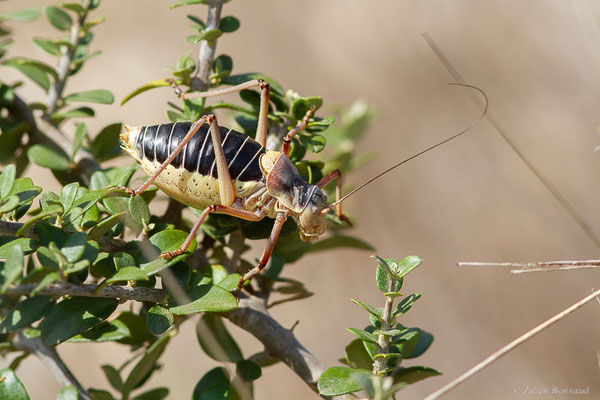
233	174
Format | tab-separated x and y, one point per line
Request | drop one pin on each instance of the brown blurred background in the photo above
472	200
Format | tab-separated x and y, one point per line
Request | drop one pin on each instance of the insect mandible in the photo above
230	173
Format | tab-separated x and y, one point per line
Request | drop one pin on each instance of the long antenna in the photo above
560	198
427	149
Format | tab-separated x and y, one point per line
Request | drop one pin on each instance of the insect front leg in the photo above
287	140
333	175
263	113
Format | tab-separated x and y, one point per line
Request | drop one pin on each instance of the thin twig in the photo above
88	290
50	357
494	357
562	200
383	341
206	56
541	266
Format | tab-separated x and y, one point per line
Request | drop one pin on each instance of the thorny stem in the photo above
383	342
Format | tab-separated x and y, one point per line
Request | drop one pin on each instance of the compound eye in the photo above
314	209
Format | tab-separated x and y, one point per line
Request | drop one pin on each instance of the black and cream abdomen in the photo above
191	178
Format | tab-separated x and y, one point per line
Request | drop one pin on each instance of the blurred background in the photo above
471	200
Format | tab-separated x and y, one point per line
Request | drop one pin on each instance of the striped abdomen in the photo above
241	152
191	178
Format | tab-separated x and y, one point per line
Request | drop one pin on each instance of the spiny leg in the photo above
193	129
226	186
287	140
335	174
217	209
263	113
264	259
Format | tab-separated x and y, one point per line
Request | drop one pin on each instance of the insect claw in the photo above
170	254
128	191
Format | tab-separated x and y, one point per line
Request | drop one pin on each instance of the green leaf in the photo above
313	143
12	269
26	312
100	96
11	387
406	304
153	394
58	18
214	385
363	335
336	381
96	394
168	240
187	3
23	15
74	315
49	211
207	298
79	112
115	330
145	365
106	225
68	393
414	374
47	157
339	241
78	8
35	70
209	35
80	134
128	274
84	203
46	280
357	355
159	319
7	180
229	24
377	312
74	247
216	341
139	211
9	203
28	245
230	282
248	370
26	191
222	66
113	376
106	144
383	280
424	340
399	269
51	47
145	87
68	195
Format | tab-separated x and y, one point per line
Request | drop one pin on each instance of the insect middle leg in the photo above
333	175
263	113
